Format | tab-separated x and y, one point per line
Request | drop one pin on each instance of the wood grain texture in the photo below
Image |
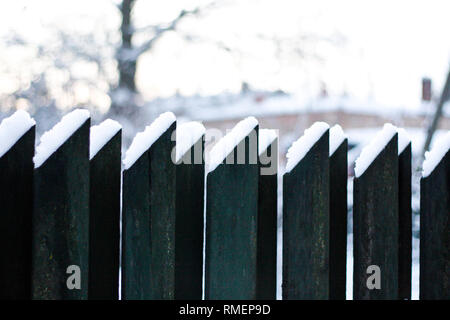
306	226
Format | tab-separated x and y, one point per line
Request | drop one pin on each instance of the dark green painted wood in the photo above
338	222
267	229
162	211
61	219
435	233
376	225
149	194
104	221
405	224
190	223
306	225
231	228
16	198
136	238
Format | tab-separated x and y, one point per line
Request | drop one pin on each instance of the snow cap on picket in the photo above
337	136
144	139
13	128
301	147
435	155
56	136
375	146
101	134
188	134
403	139
265	139
225	145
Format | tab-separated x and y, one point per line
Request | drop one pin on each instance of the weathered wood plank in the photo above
190	223
376	225
149	195
306	225
136	238
231	226
338	222
435	232
61	219
267	225
405	224
104	220
16	198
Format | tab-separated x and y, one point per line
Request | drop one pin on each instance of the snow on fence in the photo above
178	228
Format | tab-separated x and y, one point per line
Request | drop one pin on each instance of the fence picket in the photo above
104	220
405	224
267	226
231	225
375	225
306	225
338	222
148	249
435	232
190	223
16	196
61	219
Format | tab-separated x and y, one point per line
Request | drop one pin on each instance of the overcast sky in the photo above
389	45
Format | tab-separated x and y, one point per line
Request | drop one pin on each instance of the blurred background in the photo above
289	63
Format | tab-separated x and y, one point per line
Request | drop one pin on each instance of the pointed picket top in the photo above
101	134
265	139
371	151
227	144
403	140
55	137
188	134
300	148
145	139
435	155
13	128
337	137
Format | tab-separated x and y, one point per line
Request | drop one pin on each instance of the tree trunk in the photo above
122	97
127	67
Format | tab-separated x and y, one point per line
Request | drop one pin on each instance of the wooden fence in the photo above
176	239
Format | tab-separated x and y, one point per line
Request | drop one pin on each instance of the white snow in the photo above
143	140
376	145
101	134
188	133
337	136
225	145
266	137
403	139
435	155
301	147
55	137
13	128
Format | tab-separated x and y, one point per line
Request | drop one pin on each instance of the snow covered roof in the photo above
55	137
435	155
144	140
101	134
265	139
13	128
188	133
376	145
225	145
301	147
236	106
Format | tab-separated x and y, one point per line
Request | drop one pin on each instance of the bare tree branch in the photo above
132	54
